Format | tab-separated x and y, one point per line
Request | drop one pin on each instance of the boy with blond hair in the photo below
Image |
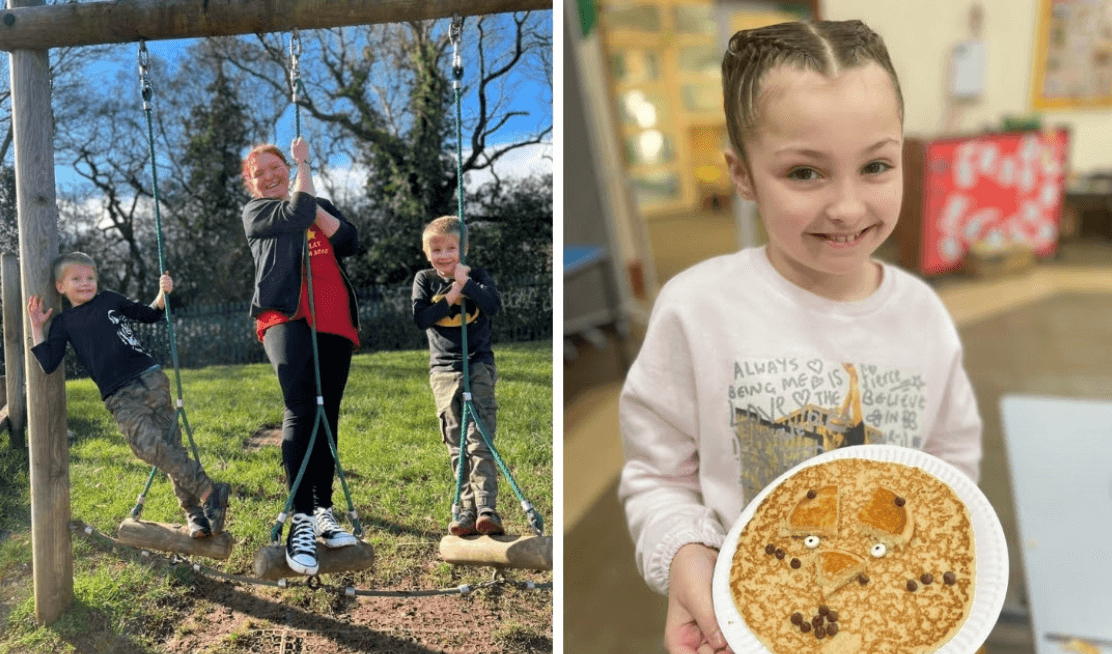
440	294
134	389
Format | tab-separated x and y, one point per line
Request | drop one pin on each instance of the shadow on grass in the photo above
343	634
89	631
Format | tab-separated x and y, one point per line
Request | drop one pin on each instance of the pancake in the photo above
877	557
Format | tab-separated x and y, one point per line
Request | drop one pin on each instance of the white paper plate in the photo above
988	536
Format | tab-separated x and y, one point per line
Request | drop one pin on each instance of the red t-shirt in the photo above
330	296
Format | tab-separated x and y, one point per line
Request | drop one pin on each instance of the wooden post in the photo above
12	298
32	129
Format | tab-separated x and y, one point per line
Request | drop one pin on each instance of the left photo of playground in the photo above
277	325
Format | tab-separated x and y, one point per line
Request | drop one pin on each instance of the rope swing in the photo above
321	419
132	531
469	412
147	91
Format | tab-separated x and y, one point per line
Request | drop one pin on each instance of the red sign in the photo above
992	191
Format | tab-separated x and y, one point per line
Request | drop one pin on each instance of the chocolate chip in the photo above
811	494
926	578
779	553
950	578
911	585
805	627
797	618
900	501
862	579
832	629
823	610
832	616
820	633
796	563
816	621
770	548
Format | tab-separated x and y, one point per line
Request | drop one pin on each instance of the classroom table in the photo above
1060	457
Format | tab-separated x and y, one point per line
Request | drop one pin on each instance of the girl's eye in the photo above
811	542
876	167
878	551
803	174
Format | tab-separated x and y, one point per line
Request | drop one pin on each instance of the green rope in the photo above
469	411
148	95
321	417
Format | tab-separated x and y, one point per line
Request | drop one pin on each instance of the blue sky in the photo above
124	59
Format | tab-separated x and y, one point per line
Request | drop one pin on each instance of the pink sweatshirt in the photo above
743	375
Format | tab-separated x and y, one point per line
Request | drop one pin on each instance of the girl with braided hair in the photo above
746	357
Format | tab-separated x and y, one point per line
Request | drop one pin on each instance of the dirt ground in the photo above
447	623
220	617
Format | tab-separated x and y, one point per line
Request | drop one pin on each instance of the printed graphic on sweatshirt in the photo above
784	411
124	333
453	317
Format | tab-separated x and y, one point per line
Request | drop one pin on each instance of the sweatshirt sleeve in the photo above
138	310
660	485
345	242
267	218
52	351
426	313
957	436
481	290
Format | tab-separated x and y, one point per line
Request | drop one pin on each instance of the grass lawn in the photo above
397	471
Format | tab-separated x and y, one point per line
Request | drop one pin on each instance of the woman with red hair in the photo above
278	220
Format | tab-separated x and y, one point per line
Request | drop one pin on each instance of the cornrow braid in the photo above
825	47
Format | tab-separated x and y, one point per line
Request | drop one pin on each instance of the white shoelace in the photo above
326	523
301	534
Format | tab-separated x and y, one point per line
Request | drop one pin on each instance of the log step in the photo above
529	552
270	561
173	539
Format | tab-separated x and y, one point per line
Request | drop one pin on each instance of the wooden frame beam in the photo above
125	21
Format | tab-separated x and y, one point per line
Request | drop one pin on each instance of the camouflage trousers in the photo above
147	417
480	476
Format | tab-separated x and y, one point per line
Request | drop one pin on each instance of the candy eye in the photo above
879	550
811	542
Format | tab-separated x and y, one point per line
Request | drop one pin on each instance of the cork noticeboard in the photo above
1073	55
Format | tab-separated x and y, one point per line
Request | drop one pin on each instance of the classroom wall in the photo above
920	35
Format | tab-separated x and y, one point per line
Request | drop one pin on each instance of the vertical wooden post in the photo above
11	297
32	127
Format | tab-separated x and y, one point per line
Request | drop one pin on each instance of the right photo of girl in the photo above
811	232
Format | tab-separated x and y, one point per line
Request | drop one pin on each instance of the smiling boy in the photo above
134	389
439	294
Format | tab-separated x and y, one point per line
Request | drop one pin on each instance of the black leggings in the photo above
290	349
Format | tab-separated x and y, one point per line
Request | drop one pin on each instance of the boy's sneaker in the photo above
216	506
330	531
489	523
301	545
463	524
197	522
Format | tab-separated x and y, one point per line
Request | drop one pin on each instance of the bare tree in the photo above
381	97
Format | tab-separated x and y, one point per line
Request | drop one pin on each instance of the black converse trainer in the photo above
301	545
